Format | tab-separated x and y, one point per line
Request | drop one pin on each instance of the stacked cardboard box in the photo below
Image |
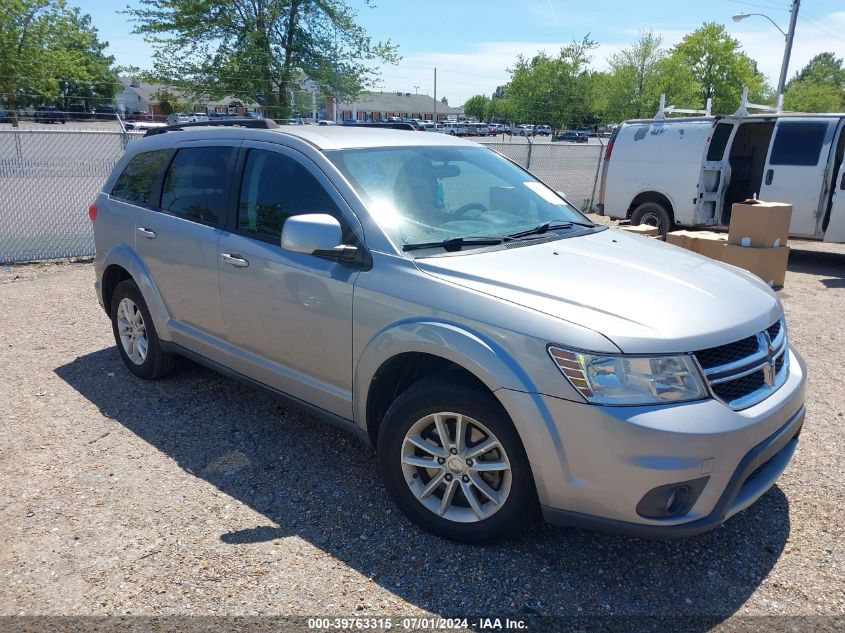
756	239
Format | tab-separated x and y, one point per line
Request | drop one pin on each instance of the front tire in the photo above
653	214
453	462
135	334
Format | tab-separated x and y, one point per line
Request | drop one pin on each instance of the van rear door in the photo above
714	174
834	222
796	168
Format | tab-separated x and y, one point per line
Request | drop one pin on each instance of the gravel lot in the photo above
198	495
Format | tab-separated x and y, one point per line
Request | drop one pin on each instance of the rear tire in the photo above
653	214
135	335
463	495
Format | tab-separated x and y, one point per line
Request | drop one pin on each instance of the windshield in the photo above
426	194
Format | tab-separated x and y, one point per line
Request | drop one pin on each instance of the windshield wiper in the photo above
455	243
545	227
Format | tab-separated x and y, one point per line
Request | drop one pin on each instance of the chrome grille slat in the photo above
744	381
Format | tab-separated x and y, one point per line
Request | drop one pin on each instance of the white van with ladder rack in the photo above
687	172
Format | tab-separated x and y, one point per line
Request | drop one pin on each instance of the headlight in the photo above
620	380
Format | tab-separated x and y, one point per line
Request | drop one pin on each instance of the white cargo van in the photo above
689	171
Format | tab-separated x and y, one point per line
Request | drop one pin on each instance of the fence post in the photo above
598	171
530	145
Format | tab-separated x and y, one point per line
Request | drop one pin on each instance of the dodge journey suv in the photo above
503	354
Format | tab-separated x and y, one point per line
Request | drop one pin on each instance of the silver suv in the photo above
501	352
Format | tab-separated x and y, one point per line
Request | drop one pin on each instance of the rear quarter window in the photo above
196	184
136	184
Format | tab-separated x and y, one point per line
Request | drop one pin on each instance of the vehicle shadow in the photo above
829	266
316	482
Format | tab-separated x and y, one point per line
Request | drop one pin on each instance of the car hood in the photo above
642	294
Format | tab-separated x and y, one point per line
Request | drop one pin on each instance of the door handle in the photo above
236	260
148	233
769	175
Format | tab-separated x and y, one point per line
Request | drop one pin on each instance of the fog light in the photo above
671	500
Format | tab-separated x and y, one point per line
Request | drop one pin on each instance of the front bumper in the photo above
592	465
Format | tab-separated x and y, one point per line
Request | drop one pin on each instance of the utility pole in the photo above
435	97
790	35
416	90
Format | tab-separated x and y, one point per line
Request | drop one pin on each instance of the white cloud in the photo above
484	65
461	75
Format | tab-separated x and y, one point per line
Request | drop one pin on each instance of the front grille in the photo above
739	388
730	353
747	371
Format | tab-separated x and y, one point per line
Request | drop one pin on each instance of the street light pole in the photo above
790	35
787	51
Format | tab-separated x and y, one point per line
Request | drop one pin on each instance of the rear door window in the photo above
719	141
196	184
137	182
798	143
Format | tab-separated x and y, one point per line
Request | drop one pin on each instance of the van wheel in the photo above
135	334
454	464
653	214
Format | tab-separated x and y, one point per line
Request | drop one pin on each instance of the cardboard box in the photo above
710	244
680	238
765	224
640	229
769	264
707	243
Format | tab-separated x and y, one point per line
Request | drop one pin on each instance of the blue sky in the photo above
472	42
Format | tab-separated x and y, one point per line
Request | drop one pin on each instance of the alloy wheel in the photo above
132	331
456	467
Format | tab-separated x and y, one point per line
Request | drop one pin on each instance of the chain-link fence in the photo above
49	176
567	167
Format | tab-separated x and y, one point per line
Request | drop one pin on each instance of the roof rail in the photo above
263	124
391	125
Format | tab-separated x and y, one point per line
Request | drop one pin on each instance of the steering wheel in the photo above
469	207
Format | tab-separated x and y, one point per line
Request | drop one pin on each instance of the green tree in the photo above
709	63
51	55
476	106
555	90
260	49
634	83
444	101
818	87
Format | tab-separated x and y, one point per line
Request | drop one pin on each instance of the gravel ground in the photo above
198	495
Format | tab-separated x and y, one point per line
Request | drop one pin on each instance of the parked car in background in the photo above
501	353
544	130
49	114
198	116
572	137
326	122
452	128
5	116
522	129
176	117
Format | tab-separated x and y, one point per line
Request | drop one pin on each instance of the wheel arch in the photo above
121	263
652	196
475	359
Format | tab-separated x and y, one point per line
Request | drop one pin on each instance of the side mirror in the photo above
316	234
